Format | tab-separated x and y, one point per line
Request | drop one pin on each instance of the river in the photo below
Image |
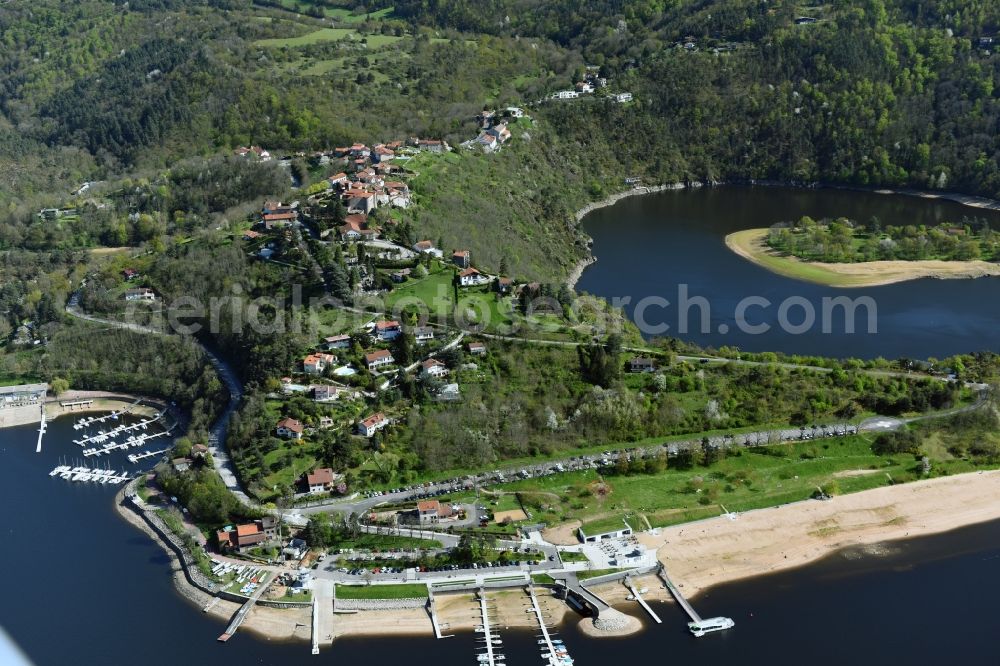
83	586
648	246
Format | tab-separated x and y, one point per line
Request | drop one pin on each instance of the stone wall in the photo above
379	604
130	501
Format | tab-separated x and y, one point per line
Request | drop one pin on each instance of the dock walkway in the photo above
488	636
432	611
662	573
642	602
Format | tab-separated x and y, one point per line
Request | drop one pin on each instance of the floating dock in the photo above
678	597
490	639
136	457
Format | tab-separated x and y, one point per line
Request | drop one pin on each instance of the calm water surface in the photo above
649	245
84	587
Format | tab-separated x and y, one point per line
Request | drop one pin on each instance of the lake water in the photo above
82	586
648	246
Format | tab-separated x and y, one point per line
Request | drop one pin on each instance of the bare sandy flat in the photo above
750	245
719	550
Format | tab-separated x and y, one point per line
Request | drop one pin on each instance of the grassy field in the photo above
750	245
414	591
748	479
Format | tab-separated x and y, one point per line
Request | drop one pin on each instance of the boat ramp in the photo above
637	594
244	610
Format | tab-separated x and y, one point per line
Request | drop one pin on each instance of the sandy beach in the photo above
750	245
720	550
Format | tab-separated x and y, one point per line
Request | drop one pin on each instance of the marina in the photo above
102	436
132	442
90	474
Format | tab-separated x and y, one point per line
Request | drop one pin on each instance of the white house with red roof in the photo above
371	425
433	368
378	358
388	330
470	277
289	429
315	364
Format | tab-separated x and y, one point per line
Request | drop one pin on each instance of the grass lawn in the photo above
406	591
572	556
435	295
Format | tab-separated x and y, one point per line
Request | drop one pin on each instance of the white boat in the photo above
711	624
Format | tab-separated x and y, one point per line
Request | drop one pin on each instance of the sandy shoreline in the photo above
698	556
750	245
718	550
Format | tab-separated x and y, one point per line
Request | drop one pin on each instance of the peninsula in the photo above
752	244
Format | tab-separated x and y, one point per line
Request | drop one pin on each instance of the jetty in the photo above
642	602
490	638
244	610
432	611
552	650
678	597
41	431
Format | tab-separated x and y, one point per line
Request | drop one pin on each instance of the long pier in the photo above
549	650
678	597
244	610
642	602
